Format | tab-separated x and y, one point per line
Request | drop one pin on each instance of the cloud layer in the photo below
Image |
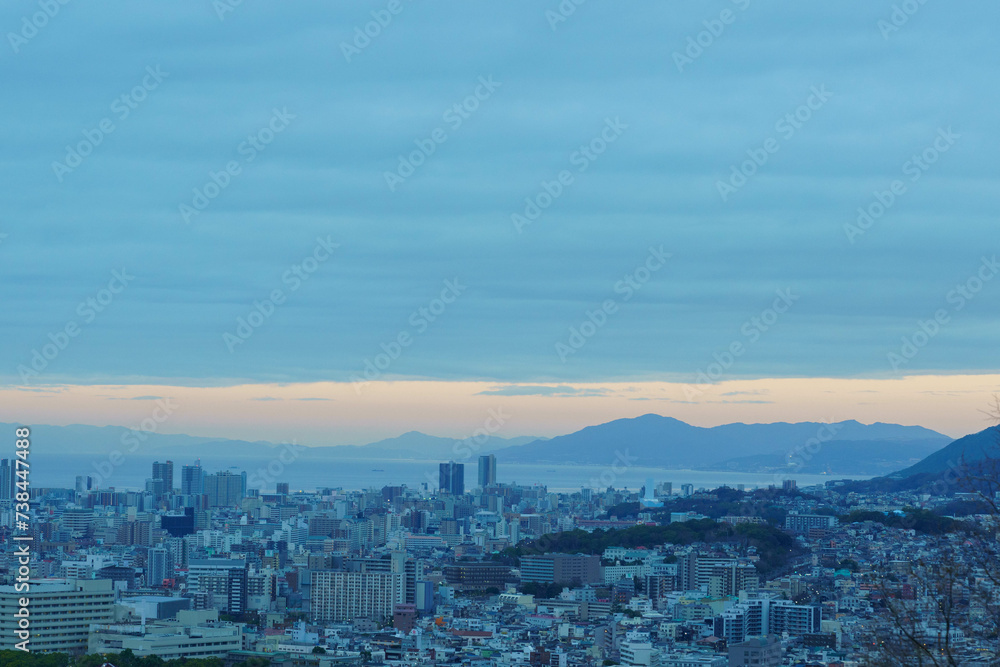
475	110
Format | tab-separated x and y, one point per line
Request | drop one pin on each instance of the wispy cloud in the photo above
544	390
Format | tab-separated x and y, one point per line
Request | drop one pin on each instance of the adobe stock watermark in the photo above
132	439
914	168
224	7
797	458
698	43
364	34
31	24
584	156
751	331
255	143
121	108
901	14
786	127
267	475
419	321
453	117
627	287
87	311
464	449
562	12
958	298
293	278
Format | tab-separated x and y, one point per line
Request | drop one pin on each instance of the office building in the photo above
164	471
487	470
192	480
225	489
179	525
574	569
61	613
156	487
7	479
474	575
154	607
451	478
195	634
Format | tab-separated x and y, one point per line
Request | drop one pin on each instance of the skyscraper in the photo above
164	471
487	470
451	478
225	489
6	480
192	480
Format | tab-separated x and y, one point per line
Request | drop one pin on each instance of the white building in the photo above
195	634
343	596
61	611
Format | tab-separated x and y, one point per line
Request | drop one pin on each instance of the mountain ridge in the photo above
657	441
847	447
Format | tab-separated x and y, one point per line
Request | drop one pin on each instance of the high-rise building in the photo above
135	533
7	484
487	470
345	596
225	489
62	611
719	575
223	579
760	615
411	569
192	480
451	478
156	487
281	488
164	471
160	566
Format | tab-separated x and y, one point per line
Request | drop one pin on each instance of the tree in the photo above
952	592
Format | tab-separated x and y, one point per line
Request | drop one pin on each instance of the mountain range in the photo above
82	439
846	448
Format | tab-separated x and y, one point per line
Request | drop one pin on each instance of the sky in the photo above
589	211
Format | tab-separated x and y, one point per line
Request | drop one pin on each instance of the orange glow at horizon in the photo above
330	413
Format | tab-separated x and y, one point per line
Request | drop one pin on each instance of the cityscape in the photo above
197	565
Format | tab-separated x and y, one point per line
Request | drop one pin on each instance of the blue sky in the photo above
345	122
